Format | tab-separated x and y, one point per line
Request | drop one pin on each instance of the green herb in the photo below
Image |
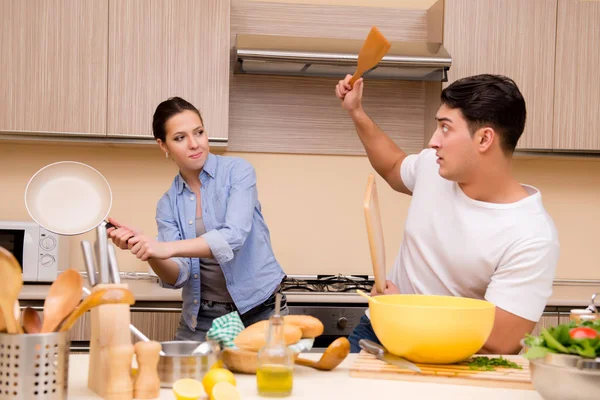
483	363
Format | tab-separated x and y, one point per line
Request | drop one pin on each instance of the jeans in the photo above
363	330
210	310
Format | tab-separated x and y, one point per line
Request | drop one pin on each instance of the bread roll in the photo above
311	326
254	337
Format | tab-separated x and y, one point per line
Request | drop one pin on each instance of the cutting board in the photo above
375	233
367	366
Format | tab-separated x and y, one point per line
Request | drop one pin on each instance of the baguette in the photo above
311	326
254	337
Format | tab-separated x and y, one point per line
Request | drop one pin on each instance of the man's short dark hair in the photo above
489	100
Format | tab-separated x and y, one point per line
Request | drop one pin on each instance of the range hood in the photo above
300	56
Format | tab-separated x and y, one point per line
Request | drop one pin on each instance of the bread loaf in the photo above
254	337
311	326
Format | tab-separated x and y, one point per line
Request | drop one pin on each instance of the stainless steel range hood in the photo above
300	56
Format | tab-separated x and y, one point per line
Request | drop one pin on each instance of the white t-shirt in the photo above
454	245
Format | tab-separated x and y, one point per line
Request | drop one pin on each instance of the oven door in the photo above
22	241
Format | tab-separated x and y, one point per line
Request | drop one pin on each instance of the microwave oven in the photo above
37	250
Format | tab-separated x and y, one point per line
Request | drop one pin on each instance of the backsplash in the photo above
312	203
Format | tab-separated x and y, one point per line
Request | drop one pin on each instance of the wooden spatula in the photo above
375	234
372	51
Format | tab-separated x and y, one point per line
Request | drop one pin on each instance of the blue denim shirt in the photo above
236	233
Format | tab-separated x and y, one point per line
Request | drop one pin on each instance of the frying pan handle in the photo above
109	225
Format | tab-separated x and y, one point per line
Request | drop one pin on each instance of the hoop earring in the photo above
167	154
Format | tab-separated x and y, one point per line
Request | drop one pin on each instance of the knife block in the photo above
109	329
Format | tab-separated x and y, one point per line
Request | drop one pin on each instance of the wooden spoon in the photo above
366	296
98	298
11	283
372	51
335	353
63	297
17	313
31	321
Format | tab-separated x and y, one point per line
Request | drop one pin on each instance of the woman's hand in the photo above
145	248
390	288
351	97
121	234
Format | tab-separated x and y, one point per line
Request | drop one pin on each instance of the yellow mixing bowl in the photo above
431	329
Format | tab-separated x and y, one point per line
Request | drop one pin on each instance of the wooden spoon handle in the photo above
307	363
12	326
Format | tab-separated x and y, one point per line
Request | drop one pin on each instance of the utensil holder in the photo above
34	366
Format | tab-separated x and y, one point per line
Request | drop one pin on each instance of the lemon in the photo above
215	376
187	389
218	364
225	391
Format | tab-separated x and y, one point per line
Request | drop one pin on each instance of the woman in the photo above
212	238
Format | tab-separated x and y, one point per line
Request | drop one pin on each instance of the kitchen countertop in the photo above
148	290
336	384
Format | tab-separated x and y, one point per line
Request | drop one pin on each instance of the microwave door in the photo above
17	241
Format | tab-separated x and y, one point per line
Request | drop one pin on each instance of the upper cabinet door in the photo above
164	48
515	38
53	67
577	95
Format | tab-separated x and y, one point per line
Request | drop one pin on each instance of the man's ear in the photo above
485	138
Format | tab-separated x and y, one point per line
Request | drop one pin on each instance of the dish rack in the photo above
34	366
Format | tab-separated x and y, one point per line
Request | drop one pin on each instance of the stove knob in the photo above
342	322
47	260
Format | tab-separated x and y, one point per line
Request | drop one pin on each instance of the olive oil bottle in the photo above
274	375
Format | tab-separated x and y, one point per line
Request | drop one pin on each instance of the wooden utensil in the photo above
17	314
372	51
98	298
366	296
10	286
63	297
367	366
335	353
375	233
31	321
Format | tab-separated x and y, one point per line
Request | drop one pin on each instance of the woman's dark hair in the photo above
165	110
489	100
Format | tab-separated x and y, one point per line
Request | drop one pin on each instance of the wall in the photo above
312	204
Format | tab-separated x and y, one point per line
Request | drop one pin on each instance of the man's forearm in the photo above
384	155
167	270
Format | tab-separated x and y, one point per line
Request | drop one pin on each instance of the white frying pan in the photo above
68	198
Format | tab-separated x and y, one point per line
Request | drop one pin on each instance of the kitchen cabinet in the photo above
53	73
159	325
515	38
163	48
577	84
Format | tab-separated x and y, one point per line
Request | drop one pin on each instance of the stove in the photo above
330	298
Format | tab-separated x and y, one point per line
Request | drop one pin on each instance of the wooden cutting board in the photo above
367	366
375	233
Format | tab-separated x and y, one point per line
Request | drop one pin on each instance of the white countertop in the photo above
336	384
148	290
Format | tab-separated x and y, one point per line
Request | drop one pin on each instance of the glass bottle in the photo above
274	375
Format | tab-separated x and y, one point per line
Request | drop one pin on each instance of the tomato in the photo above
583	332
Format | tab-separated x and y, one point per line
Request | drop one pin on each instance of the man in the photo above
472	229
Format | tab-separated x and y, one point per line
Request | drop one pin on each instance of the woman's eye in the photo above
178	138
199	132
